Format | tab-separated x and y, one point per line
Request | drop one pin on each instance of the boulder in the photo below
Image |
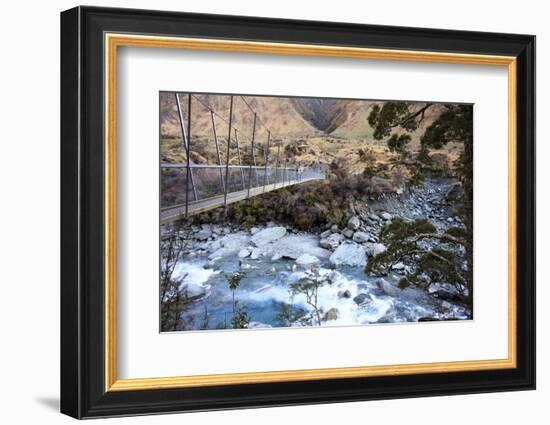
292	246
398	266
263	237
344	294
444	291
386	216
349	255
387	287
362	298
446	304
361	237
243	253
203	235
375	248
230	245
332	241
255	254
354	223
331	314
325	234
307	260
277	256
348	233
334	228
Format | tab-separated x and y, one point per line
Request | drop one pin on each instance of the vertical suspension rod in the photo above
266	159
217	148
227	158
252	159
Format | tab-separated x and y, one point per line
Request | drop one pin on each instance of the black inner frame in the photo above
82	212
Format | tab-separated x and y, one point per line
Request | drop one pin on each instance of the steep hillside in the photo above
277	114
304	130
325	115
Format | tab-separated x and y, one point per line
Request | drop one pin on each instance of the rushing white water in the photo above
266	287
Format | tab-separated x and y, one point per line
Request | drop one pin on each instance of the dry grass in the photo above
291	129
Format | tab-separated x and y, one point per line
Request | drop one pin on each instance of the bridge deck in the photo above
202	205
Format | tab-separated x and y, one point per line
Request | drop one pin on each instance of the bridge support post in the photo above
239	158
253	158
266	154
227	158
186	145
277	164
284	171
217	148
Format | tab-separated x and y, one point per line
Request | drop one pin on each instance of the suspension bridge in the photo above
189	188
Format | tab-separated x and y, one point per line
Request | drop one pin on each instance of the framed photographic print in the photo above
261	212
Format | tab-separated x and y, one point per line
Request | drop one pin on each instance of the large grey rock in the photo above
277	256
204	234
344	294
215	245
354	223
255	254
375	248
230	245
350	255
386	216
254	230
387	287
243	253
263	237
361	237
332	241
444	291
348	233
307	260
331	314
362	298
292	246
398	266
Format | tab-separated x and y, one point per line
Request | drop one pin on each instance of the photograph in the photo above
280	212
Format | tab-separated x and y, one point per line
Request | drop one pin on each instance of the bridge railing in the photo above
208	183
248	159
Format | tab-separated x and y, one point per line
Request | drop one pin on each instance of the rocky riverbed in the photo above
272	258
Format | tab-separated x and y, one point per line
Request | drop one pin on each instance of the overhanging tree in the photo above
394	120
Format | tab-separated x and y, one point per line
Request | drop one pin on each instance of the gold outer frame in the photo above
113	41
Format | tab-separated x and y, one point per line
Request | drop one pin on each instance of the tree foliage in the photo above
308	286
240	319
290	315
436	256
394	120
173	295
